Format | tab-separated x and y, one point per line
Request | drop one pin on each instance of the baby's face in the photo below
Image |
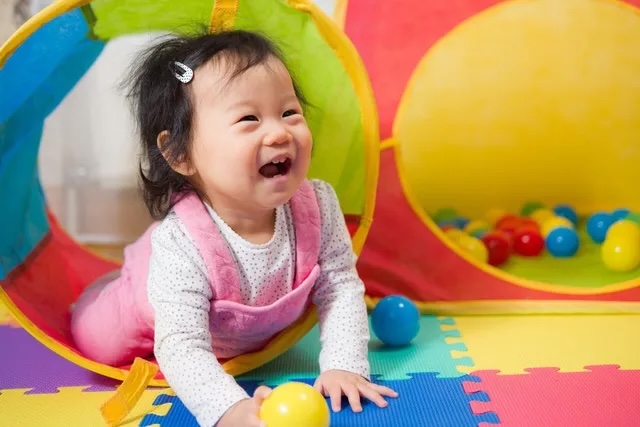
251	143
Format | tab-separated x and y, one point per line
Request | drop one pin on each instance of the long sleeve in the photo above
180	294
339	293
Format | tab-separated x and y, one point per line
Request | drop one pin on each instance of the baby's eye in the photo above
249	118
289	113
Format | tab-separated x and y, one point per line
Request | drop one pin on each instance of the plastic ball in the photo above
621	254
624	229
474	247
499	247
461	222
295	404
553	223
635	217
541	215
528	242
562	242
445	214
493	216
530	207
480	233
597	226
528	223
568	212
454	234
447	224
508	223
474	225
620	213
395	320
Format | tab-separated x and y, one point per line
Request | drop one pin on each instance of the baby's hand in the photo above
334	383
246	413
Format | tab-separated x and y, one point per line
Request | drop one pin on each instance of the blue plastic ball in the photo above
395	320
448	223
567	212
619	214
597	226
562	242
461	222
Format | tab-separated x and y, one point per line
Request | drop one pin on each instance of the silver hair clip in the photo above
186	76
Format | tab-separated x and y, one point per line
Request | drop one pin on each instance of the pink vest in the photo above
236	328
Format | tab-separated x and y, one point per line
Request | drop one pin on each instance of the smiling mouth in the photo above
276	168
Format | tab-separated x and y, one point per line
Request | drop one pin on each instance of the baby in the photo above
244	242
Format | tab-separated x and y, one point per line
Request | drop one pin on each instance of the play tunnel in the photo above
492	108
42	269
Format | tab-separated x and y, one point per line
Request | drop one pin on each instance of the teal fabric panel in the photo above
23	213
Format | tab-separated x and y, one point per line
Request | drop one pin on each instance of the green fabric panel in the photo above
334	117
120	17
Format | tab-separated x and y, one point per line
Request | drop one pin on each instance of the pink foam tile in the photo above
603	396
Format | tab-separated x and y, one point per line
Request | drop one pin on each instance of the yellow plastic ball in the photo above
493	215
455	234
541	215
295	404
552	223
474	247
620	254
624	228
475	225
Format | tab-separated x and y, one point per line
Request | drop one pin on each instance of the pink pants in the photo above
98	328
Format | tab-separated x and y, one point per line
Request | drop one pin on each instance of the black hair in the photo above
161	102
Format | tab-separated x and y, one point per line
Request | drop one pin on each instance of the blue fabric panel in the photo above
32	62
23	215
23	210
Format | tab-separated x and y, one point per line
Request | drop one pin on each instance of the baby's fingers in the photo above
261	393
370	393
385	391
353	395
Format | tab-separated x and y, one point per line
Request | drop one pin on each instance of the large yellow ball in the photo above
295	404
621	254
624	229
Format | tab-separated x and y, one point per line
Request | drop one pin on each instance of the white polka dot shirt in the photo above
180	293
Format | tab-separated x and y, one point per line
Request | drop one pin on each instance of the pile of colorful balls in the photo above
537	228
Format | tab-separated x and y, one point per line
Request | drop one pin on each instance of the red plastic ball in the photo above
528	223
528	242
499	246
508	223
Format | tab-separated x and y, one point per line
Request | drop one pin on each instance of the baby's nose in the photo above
277	136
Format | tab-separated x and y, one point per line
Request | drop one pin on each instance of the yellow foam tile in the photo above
70	407
567	342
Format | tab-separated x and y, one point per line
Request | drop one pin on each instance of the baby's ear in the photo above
180	165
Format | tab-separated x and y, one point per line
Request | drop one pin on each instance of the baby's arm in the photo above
339	293
180	294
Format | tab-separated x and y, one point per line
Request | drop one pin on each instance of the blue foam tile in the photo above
424	400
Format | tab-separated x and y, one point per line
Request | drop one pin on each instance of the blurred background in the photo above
88	157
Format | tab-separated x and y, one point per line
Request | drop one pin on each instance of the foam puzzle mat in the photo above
486	371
